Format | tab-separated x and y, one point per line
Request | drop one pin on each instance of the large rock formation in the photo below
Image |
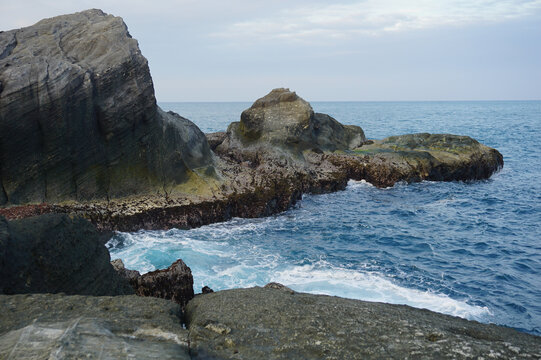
54	253
80	130
283	119
276	323
79	120
45	326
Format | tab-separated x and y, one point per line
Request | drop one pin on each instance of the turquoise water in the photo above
467	249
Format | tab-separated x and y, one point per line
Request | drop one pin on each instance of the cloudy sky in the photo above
237	50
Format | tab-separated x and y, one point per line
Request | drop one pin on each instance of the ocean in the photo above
469	249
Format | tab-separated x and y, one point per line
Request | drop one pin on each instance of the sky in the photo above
370	50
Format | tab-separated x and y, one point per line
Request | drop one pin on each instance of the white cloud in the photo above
374	17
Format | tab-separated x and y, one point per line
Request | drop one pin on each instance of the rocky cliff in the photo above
79	120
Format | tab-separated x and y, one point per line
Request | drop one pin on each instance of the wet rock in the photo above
174	283
130	275
45	326
79	120
436	157
56	253
206	290
260	323
215	139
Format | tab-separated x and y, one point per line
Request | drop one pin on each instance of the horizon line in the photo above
344	101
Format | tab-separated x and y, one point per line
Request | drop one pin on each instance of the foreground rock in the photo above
174	283
54	253
274	323
79	120
45	326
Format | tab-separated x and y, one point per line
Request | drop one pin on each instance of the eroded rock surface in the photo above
45	326
79	120
174	283
270	323
284	120
54	253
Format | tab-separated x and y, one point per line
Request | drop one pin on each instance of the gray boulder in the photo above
285	120
271	323
54	253
47	326
79	120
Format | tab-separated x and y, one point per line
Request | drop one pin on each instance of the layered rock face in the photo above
54	253
79	120
277	323
283	119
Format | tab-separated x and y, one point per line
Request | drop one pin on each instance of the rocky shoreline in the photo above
82	138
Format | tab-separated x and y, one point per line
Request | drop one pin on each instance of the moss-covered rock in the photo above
79	120
284	120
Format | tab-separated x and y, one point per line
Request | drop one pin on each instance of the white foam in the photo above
354	184
372	287
229	262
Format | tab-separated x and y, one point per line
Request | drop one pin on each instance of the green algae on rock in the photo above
283	119
79	120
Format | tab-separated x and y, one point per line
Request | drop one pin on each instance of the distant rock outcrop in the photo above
416	157
283	119
54	253
79	120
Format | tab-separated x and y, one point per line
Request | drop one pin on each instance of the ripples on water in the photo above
466	249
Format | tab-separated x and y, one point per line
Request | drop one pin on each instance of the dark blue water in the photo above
468	249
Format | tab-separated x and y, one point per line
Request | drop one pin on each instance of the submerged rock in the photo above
45	326
262	323
79	120
54	253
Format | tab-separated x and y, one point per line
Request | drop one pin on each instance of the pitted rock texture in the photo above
270	323
79	120
174	283
54	253
283	119
417	157
45	326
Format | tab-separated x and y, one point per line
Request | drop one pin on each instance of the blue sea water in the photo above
470	249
